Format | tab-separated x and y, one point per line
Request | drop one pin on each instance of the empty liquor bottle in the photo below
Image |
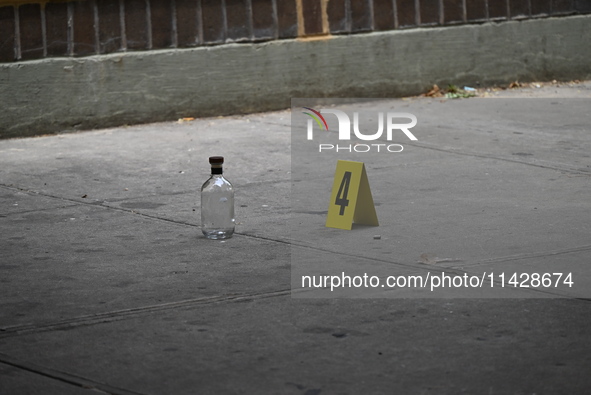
217	203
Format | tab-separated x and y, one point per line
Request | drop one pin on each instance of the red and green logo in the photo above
317	117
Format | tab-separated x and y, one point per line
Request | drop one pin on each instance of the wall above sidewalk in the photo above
37	29
59	94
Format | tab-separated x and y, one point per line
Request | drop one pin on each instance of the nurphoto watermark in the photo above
347	130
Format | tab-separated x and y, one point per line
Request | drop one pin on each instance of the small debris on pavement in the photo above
434	92
515	84
452	92
432	260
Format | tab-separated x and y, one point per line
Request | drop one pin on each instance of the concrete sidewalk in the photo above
107	286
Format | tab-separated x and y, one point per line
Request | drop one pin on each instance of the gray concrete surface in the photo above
48	96
107	286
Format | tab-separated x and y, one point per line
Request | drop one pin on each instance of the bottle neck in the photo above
217	171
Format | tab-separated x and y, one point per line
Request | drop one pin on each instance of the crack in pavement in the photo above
118	315
65	377
501	158
528	255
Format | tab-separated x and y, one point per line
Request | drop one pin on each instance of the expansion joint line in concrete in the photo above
64	377
118	315
528	256
501	158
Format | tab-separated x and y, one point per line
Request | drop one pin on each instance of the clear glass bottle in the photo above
217	203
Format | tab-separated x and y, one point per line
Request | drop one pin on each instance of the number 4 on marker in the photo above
341	199
351	200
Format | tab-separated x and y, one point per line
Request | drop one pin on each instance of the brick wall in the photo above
30	30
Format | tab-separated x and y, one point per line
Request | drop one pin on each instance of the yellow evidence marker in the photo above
351	199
